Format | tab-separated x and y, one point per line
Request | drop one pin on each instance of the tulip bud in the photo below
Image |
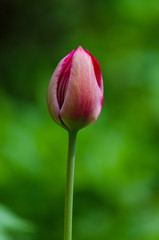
75	92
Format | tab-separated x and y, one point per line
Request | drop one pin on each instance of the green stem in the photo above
69	186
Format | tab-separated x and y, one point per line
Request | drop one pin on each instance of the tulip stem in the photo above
69	186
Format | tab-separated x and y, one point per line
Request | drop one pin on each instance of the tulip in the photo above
74	99
75	92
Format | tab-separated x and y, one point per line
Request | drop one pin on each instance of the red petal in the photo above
63	79
97	70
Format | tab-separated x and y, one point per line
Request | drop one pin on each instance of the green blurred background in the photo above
116	194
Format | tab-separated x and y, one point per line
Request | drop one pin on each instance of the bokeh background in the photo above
116	193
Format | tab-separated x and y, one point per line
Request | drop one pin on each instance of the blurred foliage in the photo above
117	159
11	223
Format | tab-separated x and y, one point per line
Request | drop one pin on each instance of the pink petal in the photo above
52	102
83	101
